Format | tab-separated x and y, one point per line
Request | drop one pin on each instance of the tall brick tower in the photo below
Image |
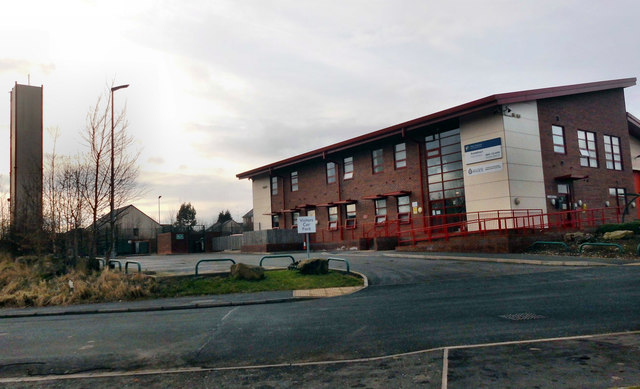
26	158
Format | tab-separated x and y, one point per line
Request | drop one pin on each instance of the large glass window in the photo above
294	181
274	186
587	147
612	152
348	168
331	172
333	218
377	161
400	155
381	211
558	139
444	173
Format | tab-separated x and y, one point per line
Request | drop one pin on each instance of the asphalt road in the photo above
411	305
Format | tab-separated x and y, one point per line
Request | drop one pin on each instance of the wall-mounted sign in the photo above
306	224
487	168
483	151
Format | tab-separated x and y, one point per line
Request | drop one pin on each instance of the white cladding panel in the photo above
261	203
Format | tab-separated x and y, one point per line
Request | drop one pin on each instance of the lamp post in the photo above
159	197
112	222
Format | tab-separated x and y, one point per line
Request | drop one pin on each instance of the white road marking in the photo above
297	364
445	368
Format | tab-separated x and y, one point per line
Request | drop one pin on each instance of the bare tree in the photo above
70	183
51	223
97	135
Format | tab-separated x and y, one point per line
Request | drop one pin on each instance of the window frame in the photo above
585	152
294	219
274	185
333	218
400	156
614	150
294	181
351	216
275	222
347	173
555	137
331	178
404	209
381	216
377	161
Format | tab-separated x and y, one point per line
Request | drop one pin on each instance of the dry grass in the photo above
38	282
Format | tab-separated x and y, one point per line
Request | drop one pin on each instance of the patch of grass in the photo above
274	280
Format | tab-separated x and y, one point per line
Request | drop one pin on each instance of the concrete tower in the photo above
26	158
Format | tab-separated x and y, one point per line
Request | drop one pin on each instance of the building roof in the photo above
248	214
450	113
106	219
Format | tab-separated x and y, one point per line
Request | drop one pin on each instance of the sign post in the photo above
307	225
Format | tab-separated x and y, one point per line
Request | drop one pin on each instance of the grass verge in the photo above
39	282
274	280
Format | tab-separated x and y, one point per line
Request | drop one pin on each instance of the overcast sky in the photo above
221	87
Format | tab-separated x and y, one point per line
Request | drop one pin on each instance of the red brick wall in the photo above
314	189
603	113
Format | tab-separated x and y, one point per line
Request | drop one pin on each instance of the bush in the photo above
631	226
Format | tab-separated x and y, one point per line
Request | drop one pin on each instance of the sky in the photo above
221	87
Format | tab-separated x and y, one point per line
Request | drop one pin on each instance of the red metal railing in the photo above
428	228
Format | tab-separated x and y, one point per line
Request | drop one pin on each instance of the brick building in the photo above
547	151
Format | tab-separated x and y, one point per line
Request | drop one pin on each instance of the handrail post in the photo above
293	260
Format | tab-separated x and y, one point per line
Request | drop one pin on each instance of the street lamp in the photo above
112	222
159	197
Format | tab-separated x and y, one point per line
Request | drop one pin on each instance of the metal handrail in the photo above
566	247
126	266
116	261
600	244
340	260
213	260
293	260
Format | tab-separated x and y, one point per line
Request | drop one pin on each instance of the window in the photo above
404	209
333	218
311	212
558	139
274	186
381	211
400	155
348	168
612	152
587	147
294	219
619	193
136	232
331	172
444	173
275	222
350	223
294	181
563	188
377	161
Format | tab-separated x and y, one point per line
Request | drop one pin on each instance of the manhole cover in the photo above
522	316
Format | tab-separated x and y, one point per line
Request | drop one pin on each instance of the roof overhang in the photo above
570	177
345	202
401	129
634	125
398	193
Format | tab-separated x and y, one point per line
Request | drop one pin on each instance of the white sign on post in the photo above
306	225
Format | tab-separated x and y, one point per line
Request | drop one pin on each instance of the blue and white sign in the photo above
486	150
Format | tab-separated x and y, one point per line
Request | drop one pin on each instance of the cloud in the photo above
155	160
22	67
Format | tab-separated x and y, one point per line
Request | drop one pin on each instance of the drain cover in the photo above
522	316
